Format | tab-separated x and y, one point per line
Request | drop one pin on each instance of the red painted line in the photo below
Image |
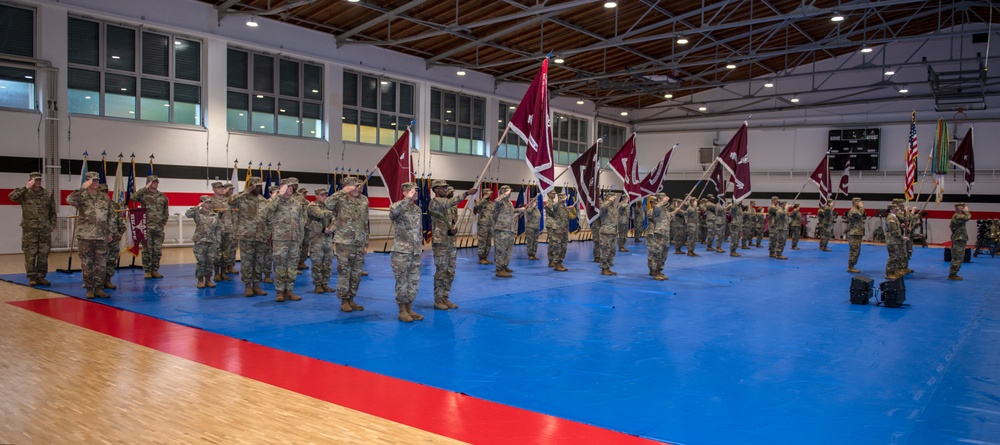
446	413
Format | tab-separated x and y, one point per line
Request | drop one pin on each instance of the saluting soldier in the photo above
484	226
658	234
443	209
749	225
93	232
711	233
320	242
532	228
407	245
206	238
759	222
157	212
227	230
609	233
350	235
779	230
557	225
772	210
253	236
678	228
118	229
38	221
824	225
504	227
231	241
623	221
895	243
795	226
959	239
691	220
735	228
855	231
286	216
299	194
720	223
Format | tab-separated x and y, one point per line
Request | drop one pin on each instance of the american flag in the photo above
911	158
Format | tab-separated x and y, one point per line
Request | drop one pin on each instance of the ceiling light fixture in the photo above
903	91
579	102
866	49
610	5
460	72
252	22
794	100
559	60
624	113
837	17
353	1
731	66
702	108
769	84
668	96
682	41
889	72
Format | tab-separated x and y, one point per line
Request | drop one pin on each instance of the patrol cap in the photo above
255	181
293	180
797	205
274	188
204	198
561	195
439	183
855	199
283	181
321	191
774	198
407	186
957	204
349	181
34	175
551	192
93	175
217	184
504	187
897	200
660	195
303	191
892	207
710	196
152	178
227	186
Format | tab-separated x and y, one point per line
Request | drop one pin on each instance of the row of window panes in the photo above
457	123
376	110
614	137
17	38
569	137
512	147
252	105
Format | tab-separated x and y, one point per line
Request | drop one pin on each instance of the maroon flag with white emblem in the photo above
584	171
531	122
624	164
736	159
964	160
821	177
716	179
395	168
845	179
654	179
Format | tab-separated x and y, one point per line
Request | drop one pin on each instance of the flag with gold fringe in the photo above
940	158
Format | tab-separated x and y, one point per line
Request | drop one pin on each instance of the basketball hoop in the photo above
958	118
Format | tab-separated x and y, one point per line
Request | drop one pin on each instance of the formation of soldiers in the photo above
277	234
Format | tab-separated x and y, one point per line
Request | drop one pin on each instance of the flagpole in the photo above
492	155
707	171
920	186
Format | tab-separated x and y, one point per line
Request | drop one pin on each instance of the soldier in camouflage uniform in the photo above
220	204
532	227
250	229
287	218
658	234
320	242
678	228
907	219
350	235
118	228
691	220
484	226
736	214
595	236
711	231
38	221
95	216
301	196
779	230
206	240
772	211
795	226
407	244
824	225
855	231
720	224
749	222
959	239
895	244
443	209
504	228
230	240
269	244
623	221
759	222
157	212
557	225
609	232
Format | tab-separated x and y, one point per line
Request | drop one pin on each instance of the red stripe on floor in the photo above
446	413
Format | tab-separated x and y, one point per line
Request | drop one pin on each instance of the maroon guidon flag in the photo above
395	168
821	177
624	164
531	122
716	179
735	159
964	160
845	179
584	171
654	179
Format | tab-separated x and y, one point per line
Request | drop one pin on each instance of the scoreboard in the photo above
859	146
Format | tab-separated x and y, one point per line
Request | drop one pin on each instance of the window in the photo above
458	123
614	137
132	73
376	109
268	94
569	138
17	38
512	146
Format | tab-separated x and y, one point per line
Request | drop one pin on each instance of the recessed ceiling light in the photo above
668	96
579	102
610	5
702	108
384	82
282	110
624	113
241	114
261	126
682	41
866	49
315	91
559	60
837	17
460	72
260	96
889	72
354	1
731	66
794	100
116	57
769	84
252	23
447	111
512	107
904	90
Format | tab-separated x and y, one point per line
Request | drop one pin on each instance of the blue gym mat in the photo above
728	350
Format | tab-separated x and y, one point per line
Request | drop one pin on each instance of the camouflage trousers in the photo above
691	236
557	245
746	236
711	234
679	236
531	241
607	250
957	255
720	234
303	251
153	249
267	253
485	242
286	261
595	235
622	235
758	233
36	244
350	263
111	263
406	268
735	238
321	254
252	261
227	250
444	270
795	233
205	254
894	263
823	232
777	240
854	241
657	247
93	259
503	246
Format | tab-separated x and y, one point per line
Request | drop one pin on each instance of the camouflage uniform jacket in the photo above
691	216
504	216
220	203
286	217
795	218
958	230
119	227
319	219
623	214
893	230
96	214
406	216
38	209
710	212
609	218
350	218
156	204
556	216
444	217
825	214
207	225
736	215
249	225
659	220
532	217
779	223
856	221
485	216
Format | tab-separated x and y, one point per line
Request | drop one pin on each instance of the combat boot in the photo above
448	303
622	249
509	269
345	305
691	253
659	276
780	257
32	282
354	305
289	295
318	290
734	254
209	282
606	271
415	316
147	275
504	274
217	276
709	249
327	288
230	269
440	305
223	277
249	292
559	267
404	315
156	274
99	293
771	255
257	290
851	269
532	257
953	277
552	263
90	293
281	296
719	250
268	280
652	273
302	265
201	283
678	251
907	271
364	273
42	281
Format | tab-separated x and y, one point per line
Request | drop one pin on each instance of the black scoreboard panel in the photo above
860	146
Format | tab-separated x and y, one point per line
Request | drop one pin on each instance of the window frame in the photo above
610	144
267	102
27	72
567	147
470	136
370	120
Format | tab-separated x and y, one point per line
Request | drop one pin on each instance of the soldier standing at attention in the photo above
532	228
300	197
691	219
157	206
720	224
735	228
93	232
484	227
759	222
623	220
609	233
658	234
795	226
824	225
595	236
250	230
286	216
268	251
772	211
710	228
350	235
779	230
677	227
907	219
504	227
855	231
443	209
227	233
894	243
557	224
407	244
959	239
320	242
118	229
206	240
749	222
38	221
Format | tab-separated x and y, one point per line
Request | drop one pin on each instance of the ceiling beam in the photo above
342	38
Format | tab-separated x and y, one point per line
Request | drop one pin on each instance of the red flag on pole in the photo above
654	179
584	171
624	164
964	160
716	179
821	177
736	159
395	168
531	122
845	178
